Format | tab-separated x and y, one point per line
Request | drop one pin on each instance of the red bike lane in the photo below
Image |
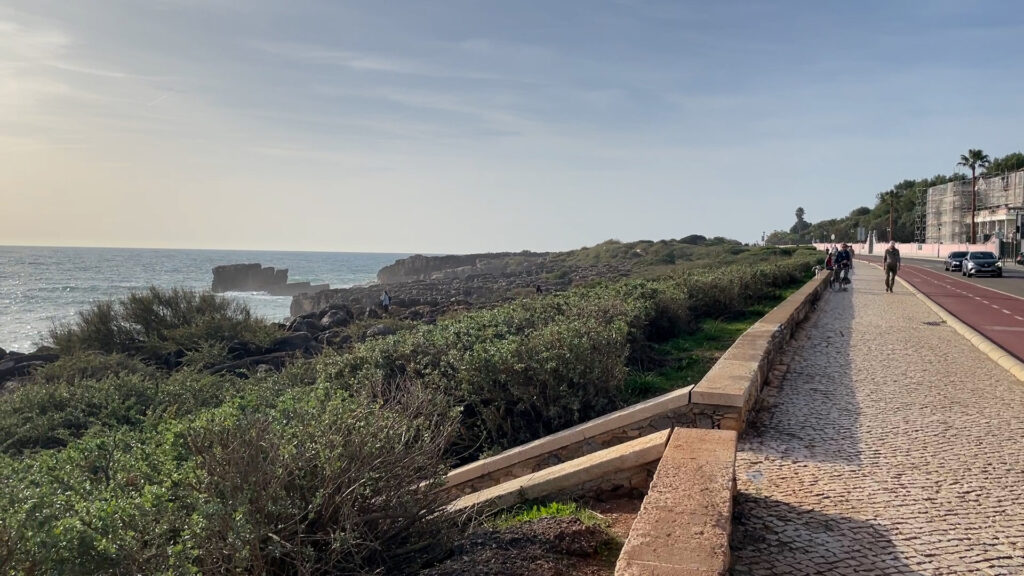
996	315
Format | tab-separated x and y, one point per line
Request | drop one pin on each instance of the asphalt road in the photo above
992	306
1012	281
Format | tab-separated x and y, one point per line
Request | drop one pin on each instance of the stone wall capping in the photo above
636	413
567	477
726	384
684	523
724	397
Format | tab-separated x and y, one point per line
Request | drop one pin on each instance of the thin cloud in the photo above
368	62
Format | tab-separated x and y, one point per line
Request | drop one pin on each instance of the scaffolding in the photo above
1000	198
921	216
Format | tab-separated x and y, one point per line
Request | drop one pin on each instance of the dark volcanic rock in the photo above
334	338
275	361
16	365
174	359
2	353
302	324
336	319
240	349
298	342
379	330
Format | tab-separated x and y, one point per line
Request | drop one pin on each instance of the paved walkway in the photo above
863	460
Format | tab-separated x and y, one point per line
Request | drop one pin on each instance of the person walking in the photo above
385	301
891	263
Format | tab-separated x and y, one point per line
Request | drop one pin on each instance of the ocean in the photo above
41	286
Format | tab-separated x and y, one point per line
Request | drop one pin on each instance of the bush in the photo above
311	482
155	322
49	414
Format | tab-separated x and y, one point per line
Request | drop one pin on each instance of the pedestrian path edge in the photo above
993	351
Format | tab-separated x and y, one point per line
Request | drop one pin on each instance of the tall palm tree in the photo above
974	159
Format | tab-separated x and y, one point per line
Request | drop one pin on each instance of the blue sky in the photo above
474	125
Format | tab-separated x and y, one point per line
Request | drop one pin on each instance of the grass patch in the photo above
687	358
530	512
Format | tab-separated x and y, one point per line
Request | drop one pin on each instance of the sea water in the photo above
41	287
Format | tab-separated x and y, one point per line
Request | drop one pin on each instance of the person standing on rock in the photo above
385	301
891	263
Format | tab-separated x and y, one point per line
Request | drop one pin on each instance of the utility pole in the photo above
974	204
892	193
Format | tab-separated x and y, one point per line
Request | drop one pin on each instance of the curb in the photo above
991	349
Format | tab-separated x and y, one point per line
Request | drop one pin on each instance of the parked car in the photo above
976	263
955	260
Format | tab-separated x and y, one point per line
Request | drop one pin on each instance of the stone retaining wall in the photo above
627	467
642	419
725	396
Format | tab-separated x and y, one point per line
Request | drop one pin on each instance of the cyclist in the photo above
843	263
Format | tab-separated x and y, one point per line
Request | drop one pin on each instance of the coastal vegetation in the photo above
130	454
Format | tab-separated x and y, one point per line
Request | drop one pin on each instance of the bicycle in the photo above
840	278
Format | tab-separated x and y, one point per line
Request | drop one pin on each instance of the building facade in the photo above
1000	199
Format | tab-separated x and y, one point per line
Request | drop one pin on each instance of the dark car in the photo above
976	263
955	260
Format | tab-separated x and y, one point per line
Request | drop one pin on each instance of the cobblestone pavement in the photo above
890	445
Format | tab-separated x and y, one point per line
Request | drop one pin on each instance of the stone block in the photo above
633	568
569	477
685	540
633	416
728	383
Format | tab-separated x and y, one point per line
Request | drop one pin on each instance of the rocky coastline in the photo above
257	278
426	287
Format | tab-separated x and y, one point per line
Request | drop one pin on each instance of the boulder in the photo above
174	359
2	353
15	365
373	313
275	361
379	331
298	342
334	338
240	349
306	325
336	319
337	307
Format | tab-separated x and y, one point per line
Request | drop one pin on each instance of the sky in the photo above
475	125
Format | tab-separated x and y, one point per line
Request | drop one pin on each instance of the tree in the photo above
1009	163
780	238
800	226
974	159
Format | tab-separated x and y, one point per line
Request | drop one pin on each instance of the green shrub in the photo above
49	414
322	484
155	322
313	481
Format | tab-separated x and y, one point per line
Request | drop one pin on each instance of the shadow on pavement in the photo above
813	413
773	537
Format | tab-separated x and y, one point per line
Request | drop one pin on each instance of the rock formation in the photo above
421	267
425	300
256	278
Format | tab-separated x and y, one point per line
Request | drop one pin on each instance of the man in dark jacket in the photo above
891	263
